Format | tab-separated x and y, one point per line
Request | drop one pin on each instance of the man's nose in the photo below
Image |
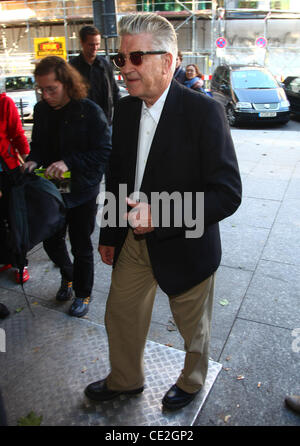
129	66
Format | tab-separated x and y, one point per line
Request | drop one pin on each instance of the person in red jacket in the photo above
12	137
13	148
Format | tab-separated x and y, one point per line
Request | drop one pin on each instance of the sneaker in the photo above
5	267
65	292
80	306
25	275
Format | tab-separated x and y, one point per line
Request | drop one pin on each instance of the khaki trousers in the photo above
128	316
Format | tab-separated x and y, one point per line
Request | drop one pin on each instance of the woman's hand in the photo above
29	165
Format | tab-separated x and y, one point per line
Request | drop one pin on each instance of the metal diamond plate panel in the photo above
51	358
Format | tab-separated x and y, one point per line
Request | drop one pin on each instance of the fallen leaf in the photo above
30	420
84	370
259	384
169	345
171	326
239	377
226	418
226	369
19	309
94	360
223	302
228	358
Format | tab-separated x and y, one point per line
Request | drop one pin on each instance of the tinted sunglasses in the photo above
136	57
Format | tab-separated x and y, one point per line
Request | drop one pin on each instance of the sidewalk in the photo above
256	314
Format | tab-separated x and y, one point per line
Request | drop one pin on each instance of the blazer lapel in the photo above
132	129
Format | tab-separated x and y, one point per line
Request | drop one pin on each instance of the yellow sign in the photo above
50	46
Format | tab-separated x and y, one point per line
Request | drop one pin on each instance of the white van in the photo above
21	87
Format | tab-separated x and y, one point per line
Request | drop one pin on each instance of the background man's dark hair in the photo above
88	30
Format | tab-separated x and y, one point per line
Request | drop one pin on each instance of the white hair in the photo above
163	32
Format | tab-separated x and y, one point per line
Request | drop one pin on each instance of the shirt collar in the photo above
156	109
96	61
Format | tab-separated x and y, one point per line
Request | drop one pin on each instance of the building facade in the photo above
199	25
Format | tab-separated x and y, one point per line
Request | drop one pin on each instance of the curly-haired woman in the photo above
70	133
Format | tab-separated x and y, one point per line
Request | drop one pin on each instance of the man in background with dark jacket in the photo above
70	133
96	70
179	73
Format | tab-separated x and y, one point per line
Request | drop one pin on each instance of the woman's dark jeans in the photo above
80	222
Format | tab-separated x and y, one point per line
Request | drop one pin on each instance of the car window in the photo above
294	85
15	83
253	79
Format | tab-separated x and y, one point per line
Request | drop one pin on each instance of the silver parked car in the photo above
21	89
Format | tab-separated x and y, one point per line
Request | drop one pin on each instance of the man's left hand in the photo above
56	170
139	217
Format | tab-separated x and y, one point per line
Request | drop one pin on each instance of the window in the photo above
165	5
14	83
256	79
248	4
272	4
280	4
295	85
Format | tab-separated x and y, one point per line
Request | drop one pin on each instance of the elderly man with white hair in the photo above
167	140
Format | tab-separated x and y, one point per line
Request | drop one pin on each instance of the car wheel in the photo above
231	116
284	122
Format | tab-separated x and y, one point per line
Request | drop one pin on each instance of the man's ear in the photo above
167	62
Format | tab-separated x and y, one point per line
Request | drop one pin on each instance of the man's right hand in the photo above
107	254
29	166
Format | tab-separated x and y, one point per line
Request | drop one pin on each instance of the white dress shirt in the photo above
149	119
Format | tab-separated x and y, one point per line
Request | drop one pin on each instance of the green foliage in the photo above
30	420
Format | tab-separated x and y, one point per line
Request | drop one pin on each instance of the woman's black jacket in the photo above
83	138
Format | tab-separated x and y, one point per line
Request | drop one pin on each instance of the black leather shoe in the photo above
98	391
176	398
80	306
65	292
293	402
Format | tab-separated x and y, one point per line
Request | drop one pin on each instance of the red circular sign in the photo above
221	42
261	42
